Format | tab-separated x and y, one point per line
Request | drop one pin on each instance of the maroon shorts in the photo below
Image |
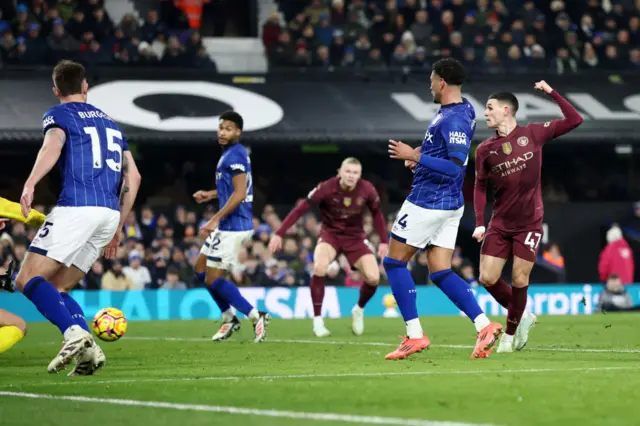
352	247
503	244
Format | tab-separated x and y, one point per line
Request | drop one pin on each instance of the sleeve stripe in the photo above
457	148
458	156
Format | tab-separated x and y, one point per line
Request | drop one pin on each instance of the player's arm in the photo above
130	185
316	196
238	195
48	155
54	139
203	196
443	166
379	223
556	128
12	210
480	194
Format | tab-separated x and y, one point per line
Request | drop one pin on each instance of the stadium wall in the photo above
295	303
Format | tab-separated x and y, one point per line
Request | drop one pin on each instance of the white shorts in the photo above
76	235
420	227
222	248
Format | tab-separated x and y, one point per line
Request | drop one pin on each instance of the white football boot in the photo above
506	344
527	323
90	362
319	329
357	320
260	326
227	329
76	343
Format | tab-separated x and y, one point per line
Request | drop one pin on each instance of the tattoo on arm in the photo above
125	185
57	134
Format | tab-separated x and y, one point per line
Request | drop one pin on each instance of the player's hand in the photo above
478	233
111	250
3	223
543	86
204	196
26	199
383	248
209	227
410	164
400	150
275	244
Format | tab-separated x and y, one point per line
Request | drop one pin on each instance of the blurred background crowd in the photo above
487	35
45	31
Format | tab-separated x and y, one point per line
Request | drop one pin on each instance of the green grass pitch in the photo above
580	370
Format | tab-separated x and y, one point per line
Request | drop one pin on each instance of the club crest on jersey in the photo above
506	148
523	141
347	201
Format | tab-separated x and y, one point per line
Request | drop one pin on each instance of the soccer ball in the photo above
389	301
109	324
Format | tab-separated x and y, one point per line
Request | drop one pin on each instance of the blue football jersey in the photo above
449	136
91	159
234	161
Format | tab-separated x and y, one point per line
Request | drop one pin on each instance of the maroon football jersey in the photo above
513	165
342	211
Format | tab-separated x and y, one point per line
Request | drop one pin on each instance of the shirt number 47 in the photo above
533	240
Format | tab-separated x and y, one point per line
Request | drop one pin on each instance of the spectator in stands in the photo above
617	257
93	279
138	273
114	279
173	280
614	297
553	256
522	37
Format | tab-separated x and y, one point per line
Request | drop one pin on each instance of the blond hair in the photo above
351	160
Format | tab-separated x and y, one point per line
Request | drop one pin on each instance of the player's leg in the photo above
33	282
325	252
494	252
525	251
410	231
12	330
226	246
367	264
200	269
93	359
458	290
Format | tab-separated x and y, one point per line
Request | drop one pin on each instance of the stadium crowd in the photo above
161	247
560	36
42	32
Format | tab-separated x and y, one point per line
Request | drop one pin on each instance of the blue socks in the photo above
222	303
458	291
49	302
402	286
230	293
75	310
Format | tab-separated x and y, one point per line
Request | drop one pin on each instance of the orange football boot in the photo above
409	347
487	338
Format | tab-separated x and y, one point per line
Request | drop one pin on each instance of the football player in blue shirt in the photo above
430	216
229	229
99	186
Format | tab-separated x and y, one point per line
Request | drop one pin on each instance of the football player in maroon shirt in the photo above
512	161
